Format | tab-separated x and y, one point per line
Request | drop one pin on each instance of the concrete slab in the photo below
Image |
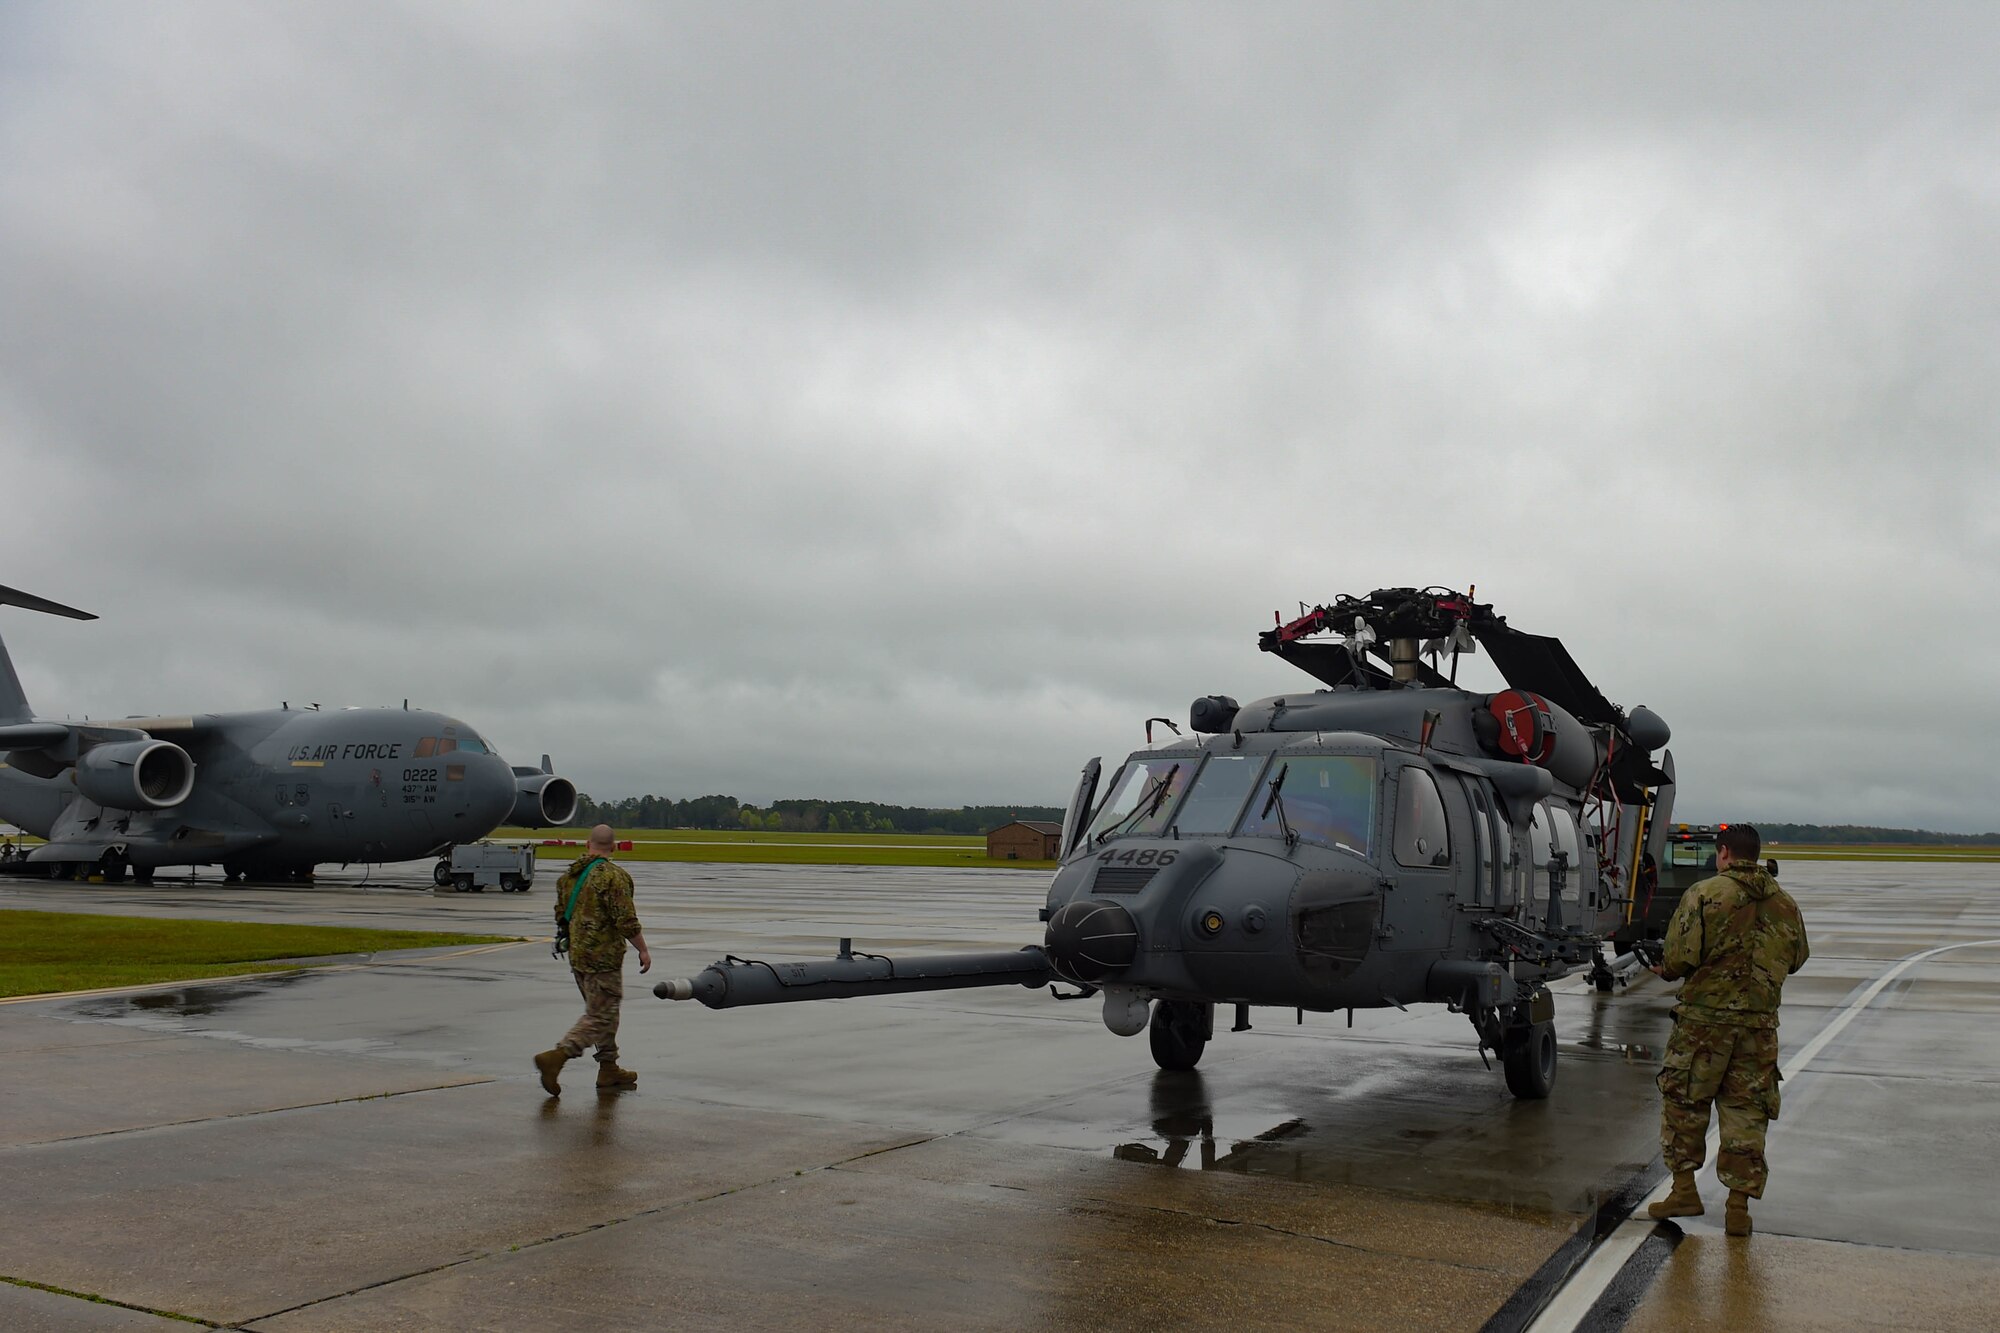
863	1248
28	1310
263	1213
1781	1284
66	1091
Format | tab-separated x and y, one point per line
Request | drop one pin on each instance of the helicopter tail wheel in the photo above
1179	1033
1530	1060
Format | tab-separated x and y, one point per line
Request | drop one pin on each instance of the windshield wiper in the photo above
1277	802
1148	804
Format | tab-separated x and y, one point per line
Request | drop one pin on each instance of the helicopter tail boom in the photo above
734	982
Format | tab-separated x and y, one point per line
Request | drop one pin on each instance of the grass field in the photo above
972	840
1823	851
733	846
42	952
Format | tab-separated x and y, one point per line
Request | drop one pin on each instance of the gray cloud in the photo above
903	403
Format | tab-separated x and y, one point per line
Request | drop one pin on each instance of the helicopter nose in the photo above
1091	942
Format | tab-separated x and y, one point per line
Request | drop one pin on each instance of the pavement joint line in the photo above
141	988
1570	1306
95	1299
240	1115
566	1235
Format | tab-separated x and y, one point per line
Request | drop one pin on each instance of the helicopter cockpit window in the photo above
1328	799
1142	797
1422	836
1217	795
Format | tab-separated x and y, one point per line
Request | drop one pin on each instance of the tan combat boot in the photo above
549	1064
610	1078
1685	1201
1736	1215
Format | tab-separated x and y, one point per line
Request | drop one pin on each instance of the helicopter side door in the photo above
1430	839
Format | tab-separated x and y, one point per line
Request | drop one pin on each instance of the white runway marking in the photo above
1588	1282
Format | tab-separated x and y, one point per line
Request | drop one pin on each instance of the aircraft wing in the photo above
31	735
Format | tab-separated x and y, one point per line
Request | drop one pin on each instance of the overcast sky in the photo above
903	402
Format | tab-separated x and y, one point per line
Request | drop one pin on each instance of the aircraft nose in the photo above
492	793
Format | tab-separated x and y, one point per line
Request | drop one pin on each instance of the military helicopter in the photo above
1386	840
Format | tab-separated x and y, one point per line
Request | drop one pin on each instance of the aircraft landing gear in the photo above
143	876
111	866
1528	1047
1600	973
1179	1032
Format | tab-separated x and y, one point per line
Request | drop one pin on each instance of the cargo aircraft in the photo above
267	794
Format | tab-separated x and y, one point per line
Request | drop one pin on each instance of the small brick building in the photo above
1025	840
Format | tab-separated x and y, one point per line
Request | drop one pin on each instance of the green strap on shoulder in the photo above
569	912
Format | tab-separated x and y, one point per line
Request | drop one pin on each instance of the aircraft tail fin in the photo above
13	700
547	767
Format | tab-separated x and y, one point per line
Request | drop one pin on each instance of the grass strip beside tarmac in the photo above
43	952
973	840
1879	851
806	854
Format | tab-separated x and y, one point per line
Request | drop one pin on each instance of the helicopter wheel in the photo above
1530	1061
1179	1032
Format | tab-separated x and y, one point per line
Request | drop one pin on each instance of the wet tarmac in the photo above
364	1146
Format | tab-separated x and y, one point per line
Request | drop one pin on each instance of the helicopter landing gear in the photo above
1179	1032
1601	975
1528	1047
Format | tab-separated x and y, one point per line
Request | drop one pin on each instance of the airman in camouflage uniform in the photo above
603	920
1735	938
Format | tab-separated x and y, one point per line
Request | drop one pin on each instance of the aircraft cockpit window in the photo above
427	747
1327	799
1217	795
1142	797
1422	836
446	745
472	745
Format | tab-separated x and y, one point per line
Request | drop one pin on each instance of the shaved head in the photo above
601	839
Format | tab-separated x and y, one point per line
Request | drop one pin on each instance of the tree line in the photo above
806	816
1849	834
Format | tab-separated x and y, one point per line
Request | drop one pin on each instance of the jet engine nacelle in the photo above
136	775
544	801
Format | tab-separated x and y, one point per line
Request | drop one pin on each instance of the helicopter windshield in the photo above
1142	797
1217	796
1328	799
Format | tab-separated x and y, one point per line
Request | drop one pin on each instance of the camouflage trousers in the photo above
603	992
1736	1068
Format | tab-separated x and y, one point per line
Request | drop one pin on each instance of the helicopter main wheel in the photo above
1530	1061
1179	1032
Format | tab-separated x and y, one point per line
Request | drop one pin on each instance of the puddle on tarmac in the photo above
191	1002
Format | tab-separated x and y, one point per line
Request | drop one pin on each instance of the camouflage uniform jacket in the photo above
604	918
1735	937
